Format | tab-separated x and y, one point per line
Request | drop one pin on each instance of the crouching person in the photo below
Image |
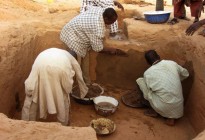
161	87
49	85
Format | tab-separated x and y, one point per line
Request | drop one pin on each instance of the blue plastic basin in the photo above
156	17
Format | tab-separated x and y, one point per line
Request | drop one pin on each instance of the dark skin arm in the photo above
195	26
119	5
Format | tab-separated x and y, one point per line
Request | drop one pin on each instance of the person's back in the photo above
84	31
53	57
161	87
164	80
89	4
165	77
49	85
88	23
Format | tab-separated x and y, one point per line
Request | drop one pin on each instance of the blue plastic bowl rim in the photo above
156	12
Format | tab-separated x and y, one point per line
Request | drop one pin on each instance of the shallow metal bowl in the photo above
102	110
104	130
86	101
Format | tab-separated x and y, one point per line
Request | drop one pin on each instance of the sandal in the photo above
173	21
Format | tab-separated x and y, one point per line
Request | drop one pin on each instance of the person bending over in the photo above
161	87
88	4
87	31
49	84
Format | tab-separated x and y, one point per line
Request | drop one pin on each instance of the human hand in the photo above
192	28
119	5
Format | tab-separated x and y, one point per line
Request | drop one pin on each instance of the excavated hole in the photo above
117	75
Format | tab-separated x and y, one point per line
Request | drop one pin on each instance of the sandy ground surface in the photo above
131	122
22	21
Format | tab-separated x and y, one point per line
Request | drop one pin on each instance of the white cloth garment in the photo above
161	86
50	83
84	31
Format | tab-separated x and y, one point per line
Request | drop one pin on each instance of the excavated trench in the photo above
116	74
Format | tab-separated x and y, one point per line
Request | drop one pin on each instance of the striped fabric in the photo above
161	86
85	31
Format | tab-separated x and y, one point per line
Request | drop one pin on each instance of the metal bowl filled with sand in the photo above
103	126
95	90
105	105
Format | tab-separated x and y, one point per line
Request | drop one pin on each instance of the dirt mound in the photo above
18	130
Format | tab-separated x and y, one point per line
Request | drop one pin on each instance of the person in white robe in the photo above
161	86
49	84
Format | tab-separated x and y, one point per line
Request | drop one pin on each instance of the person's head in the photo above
109	16
151	56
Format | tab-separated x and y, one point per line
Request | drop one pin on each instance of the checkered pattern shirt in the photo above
88	4
84	31
100	3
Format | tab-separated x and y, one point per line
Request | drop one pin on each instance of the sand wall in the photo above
16	49
19	47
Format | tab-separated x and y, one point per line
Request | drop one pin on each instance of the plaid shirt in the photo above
84	31
88	4
98	3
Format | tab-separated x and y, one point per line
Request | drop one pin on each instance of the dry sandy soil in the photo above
28	27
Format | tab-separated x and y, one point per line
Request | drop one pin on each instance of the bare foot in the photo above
170	122
196	20
173	21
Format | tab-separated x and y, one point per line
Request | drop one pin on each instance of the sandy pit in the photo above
28	27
